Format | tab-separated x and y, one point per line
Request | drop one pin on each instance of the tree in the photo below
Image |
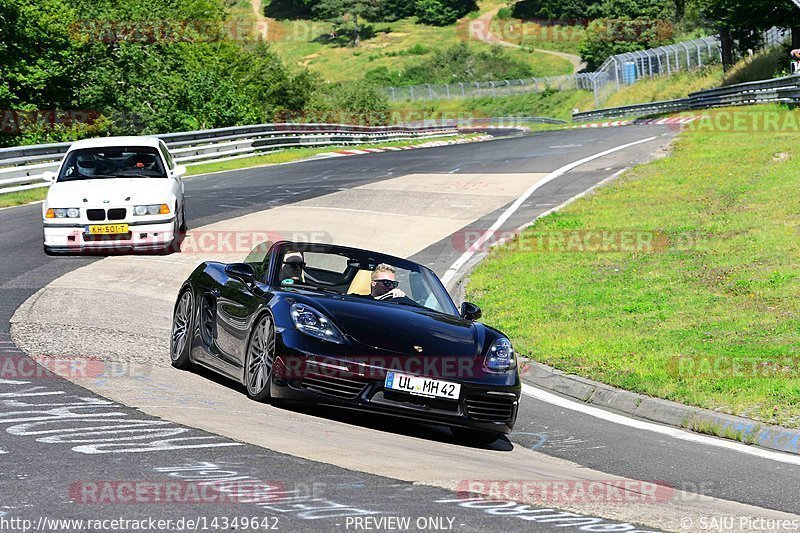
741	22
36	54
355	102
348	15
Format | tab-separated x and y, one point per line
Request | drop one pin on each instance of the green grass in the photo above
533	35
726	287
558	104
22	197
666	87
762	66
561	104
300	45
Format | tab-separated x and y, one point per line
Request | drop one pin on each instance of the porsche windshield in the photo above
363	276
112	162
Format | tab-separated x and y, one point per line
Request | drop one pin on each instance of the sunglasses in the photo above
295	264
388	283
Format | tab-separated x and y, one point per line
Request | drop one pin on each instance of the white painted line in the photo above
461	261
675	433
12	382
2	452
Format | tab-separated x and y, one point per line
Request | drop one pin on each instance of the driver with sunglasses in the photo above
384	283
292	268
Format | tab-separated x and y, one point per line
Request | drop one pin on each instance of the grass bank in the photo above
680	280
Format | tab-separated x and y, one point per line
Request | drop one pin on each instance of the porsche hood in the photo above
382	327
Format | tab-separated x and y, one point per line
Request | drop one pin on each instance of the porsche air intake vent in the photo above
333	386
487	409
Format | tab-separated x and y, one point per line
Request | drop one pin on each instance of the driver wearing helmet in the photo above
87	166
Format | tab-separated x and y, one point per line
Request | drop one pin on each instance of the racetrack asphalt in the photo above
29	488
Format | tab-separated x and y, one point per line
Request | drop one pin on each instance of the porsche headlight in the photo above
152	209
315	324
500	356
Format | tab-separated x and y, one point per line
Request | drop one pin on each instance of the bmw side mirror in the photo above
179	171
241	271
48	176
470	311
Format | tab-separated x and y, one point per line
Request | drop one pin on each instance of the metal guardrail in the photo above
777	90
21	167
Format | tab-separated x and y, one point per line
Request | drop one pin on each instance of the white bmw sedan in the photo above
114	193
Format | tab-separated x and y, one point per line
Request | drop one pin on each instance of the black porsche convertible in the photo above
351	328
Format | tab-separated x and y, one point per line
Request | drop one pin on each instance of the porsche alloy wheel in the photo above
260	356
181	331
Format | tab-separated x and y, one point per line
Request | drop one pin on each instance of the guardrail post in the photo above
594	90
494	89
447	88
669	70
462	89
393	95
411	92
430	92
616	72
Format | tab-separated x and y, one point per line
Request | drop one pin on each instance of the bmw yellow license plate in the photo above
419	386
108	229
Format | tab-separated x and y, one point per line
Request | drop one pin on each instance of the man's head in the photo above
383	280
292	267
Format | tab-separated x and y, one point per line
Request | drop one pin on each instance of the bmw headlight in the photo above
65	212
152	209
500	356
313	323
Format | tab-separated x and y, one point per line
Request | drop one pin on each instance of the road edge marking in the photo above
467	255
596	412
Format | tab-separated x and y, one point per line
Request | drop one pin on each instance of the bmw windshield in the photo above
112	162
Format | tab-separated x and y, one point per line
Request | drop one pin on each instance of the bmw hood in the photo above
382	327
108	191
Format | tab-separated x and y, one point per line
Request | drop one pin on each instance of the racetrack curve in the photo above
496	171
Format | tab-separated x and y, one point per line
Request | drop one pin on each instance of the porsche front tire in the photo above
260	360
181	335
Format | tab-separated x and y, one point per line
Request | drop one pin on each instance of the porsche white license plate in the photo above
419	386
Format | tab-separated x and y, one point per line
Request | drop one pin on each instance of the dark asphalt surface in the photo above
37	477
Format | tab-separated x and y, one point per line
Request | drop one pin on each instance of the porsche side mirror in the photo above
179	171
241	271
49	176
470	311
